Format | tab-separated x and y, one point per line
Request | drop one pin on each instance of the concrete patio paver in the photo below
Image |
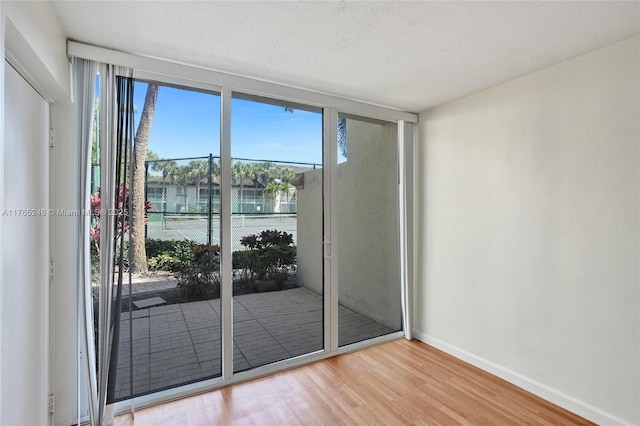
181	343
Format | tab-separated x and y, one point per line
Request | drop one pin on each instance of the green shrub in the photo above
242	267
168	255
275	261
201	277
270	255
240	259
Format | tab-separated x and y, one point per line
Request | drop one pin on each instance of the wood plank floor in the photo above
395	383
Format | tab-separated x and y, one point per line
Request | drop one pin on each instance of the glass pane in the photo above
276	231
368	255
174	314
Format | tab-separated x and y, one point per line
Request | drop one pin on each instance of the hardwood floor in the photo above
400	382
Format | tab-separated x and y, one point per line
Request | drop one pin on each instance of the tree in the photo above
151	156
264	172
342	136
123	221
277	189
240	172
283	173
197	170
167	167
181	177
138	251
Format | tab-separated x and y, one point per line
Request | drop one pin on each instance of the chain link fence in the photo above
185	197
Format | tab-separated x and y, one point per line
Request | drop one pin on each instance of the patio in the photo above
181	343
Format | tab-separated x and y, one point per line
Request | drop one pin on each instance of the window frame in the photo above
197	78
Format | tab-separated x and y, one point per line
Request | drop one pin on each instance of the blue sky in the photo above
187	124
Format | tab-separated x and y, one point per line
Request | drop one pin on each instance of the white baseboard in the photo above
558	398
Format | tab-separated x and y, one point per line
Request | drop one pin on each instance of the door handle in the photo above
326	248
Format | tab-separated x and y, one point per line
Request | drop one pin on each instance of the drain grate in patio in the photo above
146	303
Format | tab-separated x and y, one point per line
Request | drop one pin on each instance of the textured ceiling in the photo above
406	55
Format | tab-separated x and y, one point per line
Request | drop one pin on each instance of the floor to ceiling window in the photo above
313	251
276	151
170	330
367	217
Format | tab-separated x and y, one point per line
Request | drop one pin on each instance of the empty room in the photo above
180	182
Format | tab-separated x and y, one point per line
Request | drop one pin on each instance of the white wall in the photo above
64	307
2	25
309	229
39	32
367	254
33	36
367	251
528	227
24	250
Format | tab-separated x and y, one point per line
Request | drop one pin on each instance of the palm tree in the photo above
240	172
284	174
181	177
276	188
266	172
342	136
197	170
138	251
167	167
261	174
253	173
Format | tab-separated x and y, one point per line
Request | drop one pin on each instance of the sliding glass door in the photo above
276	207
170	321
271	233
367	235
